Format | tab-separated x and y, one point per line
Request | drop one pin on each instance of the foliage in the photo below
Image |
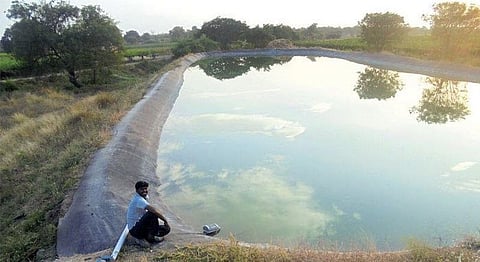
202	44
350	44
381	30
63	36
5	41
420	46
455	27
7	88
258	37
177	33
377	83
7	62
224	31
313	32
132	37
281	31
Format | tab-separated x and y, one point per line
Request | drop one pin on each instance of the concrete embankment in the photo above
96	216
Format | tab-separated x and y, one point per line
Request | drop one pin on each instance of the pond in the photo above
323	152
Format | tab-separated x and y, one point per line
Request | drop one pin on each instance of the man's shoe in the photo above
142	242
157	239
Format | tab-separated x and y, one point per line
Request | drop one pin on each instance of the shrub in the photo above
202	44
7	87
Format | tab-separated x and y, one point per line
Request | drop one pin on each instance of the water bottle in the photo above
211	230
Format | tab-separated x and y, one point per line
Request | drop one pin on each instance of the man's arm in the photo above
158	214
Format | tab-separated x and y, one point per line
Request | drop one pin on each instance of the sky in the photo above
158	16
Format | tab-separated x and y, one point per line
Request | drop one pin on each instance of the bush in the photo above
7	88
202	44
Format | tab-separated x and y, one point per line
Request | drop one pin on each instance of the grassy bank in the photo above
234	251
47	135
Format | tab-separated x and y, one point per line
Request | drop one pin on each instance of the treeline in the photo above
228	33
313	32
454	32
54	36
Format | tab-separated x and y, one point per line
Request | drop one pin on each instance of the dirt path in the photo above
96	216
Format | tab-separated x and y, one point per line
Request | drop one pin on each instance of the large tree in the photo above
224	31
177	33
258	37
380	30
132	37
281	31
455	27
59	34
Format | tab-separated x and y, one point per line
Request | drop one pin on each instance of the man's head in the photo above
142	188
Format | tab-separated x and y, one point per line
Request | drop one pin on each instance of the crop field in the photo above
154	49
349	44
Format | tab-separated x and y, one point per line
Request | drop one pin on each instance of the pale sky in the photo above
158	16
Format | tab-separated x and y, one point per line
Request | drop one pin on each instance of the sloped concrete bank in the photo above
96	216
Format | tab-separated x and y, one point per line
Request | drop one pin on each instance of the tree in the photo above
202	44
64	36
7	41
380	30
454	27
177	33
146	37
224	31
258	37
311	32
281	31
131	37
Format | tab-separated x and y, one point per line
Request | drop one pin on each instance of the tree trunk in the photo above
94	80
73	78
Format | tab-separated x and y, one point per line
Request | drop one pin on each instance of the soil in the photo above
96	215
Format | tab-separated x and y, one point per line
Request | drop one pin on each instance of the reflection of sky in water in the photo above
293	155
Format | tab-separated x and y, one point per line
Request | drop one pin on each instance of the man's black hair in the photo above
140	184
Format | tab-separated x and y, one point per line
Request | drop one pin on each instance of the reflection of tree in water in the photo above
377	83
445	101
231	67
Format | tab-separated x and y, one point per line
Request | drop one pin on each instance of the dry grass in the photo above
235	251
48	134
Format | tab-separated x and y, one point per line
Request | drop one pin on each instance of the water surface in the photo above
323	151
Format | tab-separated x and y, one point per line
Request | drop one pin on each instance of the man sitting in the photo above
142	218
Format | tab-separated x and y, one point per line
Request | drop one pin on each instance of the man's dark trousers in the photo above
148	227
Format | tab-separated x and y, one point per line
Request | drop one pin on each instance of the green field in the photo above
350	44
154	49
9	63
